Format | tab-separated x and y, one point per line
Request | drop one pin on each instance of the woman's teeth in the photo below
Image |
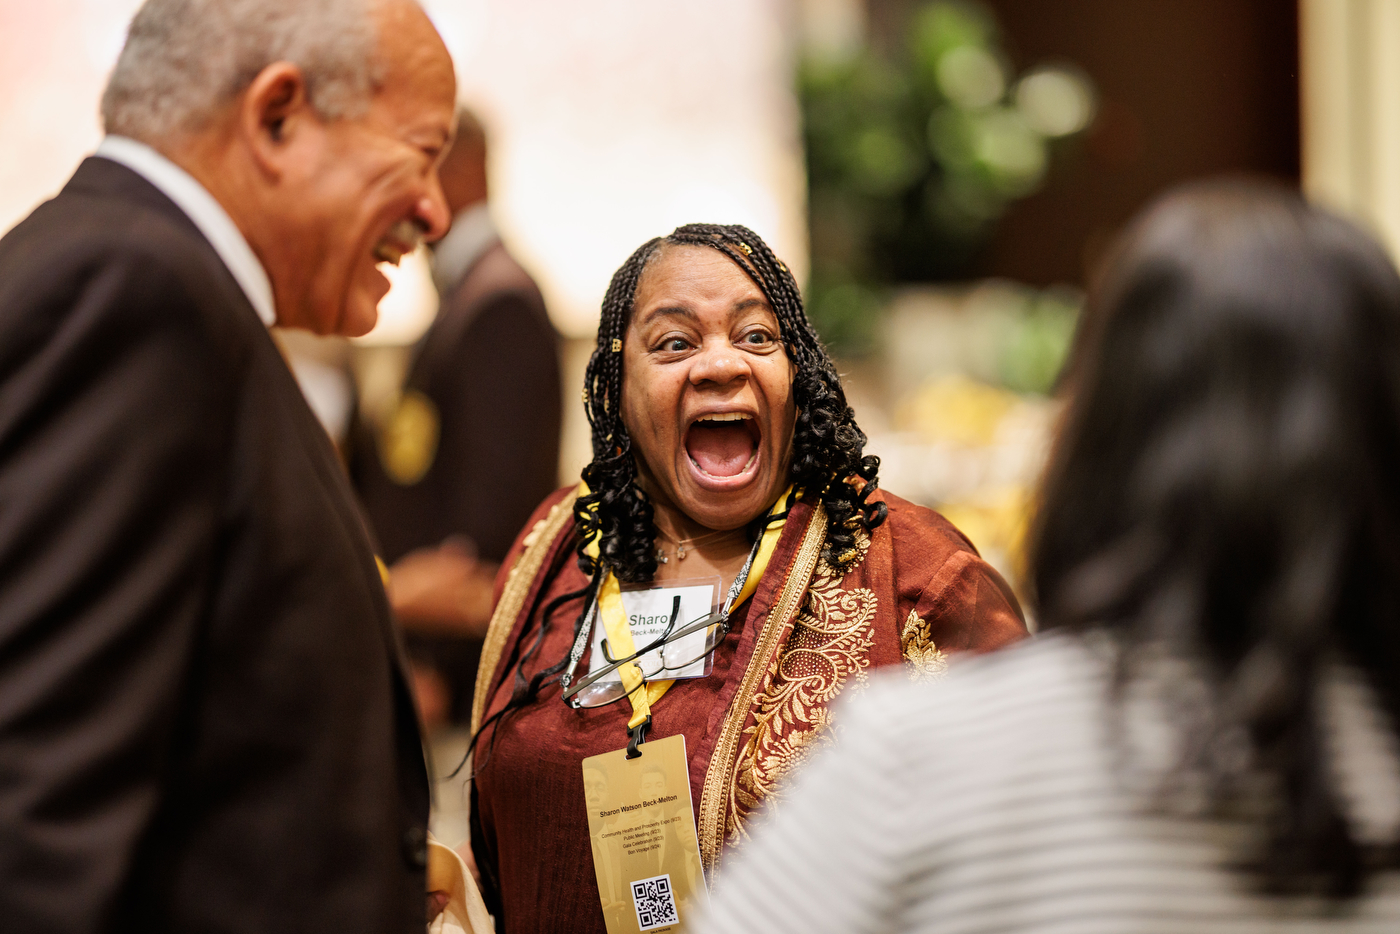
723	445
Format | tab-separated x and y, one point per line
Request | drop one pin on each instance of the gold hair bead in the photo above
617	345
745	247
585	395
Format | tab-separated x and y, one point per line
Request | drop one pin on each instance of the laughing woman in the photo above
728	486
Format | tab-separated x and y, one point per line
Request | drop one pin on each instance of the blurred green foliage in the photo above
1037	346
913	156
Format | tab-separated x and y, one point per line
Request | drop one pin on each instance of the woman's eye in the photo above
757	337
675	344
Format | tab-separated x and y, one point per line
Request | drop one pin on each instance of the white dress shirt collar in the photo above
472	234
208	215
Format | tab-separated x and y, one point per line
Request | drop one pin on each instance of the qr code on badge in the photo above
655	902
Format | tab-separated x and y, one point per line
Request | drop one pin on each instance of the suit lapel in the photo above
103	178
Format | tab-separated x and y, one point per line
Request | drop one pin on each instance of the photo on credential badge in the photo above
645	850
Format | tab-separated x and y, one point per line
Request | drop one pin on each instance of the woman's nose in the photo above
718	363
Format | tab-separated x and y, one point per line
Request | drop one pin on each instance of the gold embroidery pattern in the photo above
926	660
518	581
828	647
715	793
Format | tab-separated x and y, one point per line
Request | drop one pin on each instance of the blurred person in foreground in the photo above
1205	739
723	449
204	721
473	445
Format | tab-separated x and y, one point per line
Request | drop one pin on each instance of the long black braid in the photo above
828	460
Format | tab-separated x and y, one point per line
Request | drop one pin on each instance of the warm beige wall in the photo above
617	120
54	59
1350	60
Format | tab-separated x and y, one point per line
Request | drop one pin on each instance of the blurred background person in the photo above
451	471
1205	736
204	719
725	453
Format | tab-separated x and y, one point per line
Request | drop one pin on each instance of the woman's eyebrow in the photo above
677	311
744	304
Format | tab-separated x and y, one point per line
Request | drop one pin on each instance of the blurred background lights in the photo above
915	151
970	77
884	161
1012	150
1056	101
832	30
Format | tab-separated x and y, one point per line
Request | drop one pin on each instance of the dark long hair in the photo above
828	448
1226	485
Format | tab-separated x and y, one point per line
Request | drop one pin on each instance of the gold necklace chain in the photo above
682	542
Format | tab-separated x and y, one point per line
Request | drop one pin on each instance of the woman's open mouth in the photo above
723	448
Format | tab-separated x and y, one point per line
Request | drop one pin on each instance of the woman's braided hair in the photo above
828	460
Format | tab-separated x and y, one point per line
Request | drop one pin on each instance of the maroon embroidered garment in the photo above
916	592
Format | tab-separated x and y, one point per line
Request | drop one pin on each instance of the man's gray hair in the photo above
185	60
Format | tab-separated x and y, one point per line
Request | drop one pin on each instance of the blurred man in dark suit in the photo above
473	444
204	721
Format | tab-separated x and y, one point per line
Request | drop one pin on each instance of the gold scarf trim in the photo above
518	580
713	796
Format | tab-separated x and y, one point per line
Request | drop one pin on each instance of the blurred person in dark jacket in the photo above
1206	738
473	443
204	719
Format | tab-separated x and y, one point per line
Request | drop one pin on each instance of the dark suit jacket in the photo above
490	364
204	723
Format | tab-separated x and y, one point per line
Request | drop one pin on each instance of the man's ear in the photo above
272	111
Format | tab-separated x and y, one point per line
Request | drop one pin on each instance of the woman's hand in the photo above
436	902
444	590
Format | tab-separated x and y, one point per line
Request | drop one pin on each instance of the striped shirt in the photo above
995	800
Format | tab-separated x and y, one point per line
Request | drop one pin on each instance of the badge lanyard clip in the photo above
636	736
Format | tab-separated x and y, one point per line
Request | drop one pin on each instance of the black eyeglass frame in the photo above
570	690
667	637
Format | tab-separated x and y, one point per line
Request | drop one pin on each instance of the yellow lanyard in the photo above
614	617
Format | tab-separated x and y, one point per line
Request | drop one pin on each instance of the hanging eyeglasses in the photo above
670	655
679	649
601	692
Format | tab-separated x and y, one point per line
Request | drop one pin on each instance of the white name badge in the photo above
648	610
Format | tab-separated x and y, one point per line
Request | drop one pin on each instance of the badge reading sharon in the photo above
649	613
